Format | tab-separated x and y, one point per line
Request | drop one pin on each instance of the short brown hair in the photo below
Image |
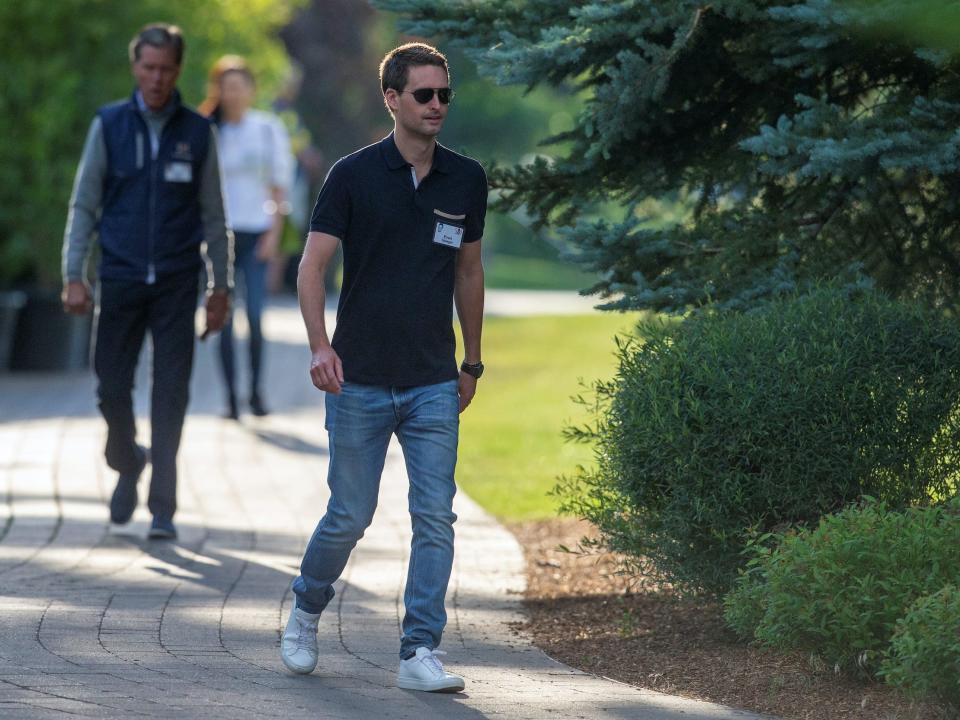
158	35
394	69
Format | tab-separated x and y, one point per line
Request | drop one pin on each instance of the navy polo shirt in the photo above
395	315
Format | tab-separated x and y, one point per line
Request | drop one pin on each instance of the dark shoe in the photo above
257	407
162	529
232	412
124	499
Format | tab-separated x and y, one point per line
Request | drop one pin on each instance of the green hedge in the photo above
728	425
924	657
839	590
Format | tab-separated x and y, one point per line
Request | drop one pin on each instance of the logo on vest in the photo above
181	151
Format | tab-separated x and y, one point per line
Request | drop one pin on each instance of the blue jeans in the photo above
254	273
360	422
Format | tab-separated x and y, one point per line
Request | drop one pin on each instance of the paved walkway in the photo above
108	626
539	302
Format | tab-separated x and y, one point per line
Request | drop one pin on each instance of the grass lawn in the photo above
506	271
511	447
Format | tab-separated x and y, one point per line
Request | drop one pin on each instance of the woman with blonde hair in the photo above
257	166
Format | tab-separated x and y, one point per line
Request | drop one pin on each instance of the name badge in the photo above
447	234
181	172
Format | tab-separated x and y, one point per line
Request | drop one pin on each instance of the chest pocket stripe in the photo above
448	216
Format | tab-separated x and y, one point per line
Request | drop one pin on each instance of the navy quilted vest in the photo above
150	225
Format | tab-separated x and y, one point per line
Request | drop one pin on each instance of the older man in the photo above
149	184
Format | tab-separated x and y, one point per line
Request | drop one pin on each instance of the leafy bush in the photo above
838	590
745	605
730	425
924	657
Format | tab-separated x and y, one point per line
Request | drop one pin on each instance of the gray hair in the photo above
159	35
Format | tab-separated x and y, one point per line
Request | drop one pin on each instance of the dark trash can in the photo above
11	303
49	339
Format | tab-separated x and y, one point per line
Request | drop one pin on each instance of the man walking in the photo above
409	214
149	183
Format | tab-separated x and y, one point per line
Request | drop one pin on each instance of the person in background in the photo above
149	183
257	167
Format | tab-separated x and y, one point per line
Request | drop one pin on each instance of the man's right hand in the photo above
77	299
326	370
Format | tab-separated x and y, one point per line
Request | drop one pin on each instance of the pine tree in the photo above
808	139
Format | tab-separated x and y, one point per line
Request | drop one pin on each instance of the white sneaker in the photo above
424	672
298	646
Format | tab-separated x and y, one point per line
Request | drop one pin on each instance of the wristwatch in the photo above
473	369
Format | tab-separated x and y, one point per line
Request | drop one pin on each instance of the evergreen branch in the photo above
815	145
831	212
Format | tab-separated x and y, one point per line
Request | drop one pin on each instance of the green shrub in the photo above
924	656
745	604
838	590
730	425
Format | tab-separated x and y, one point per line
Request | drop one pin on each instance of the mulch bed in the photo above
585	614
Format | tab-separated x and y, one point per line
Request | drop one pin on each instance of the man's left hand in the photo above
218	306
467	387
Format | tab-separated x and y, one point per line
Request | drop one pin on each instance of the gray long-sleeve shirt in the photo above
87	195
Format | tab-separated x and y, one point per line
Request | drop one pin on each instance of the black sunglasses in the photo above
425	95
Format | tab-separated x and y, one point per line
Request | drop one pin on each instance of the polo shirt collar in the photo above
166	111
396	161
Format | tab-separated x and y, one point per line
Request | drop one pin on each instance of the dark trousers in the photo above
127	310
254	272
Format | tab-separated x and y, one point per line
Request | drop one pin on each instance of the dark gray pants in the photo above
127	310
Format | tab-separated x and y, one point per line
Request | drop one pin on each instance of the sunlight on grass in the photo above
505	271
511	446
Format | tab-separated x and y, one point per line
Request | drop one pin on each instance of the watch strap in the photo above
472	369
